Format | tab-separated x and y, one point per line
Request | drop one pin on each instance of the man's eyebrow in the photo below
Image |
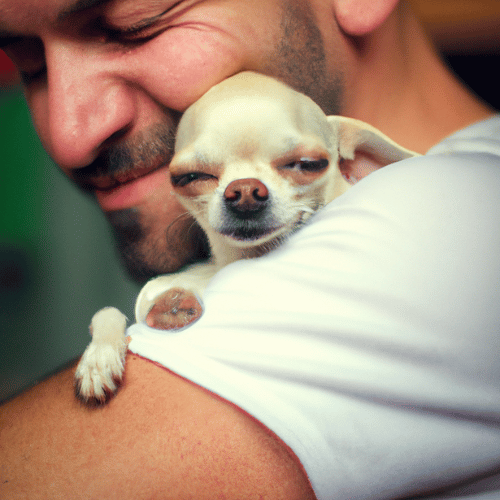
7	37
5	33
78	7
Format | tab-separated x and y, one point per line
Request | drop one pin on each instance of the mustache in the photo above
128	159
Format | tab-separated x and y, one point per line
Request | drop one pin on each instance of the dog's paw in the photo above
174	309
99	374
100	370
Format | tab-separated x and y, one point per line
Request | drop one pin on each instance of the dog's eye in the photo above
185	179
307	165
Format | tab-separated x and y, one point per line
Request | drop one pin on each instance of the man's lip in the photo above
126	191
107	183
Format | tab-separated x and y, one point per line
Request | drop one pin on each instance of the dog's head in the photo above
254	159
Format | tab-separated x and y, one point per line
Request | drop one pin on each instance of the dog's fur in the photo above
253	161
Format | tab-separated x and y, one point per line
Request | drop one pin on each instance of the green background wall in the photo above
58	265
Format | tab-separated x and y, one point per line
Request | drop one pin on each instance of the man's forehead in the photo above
20	16
76	6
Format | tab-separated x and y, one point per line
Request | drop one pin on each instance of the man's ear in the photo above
360	17
363	148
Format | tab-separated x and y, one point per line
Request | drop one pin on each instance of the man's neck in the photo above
403	88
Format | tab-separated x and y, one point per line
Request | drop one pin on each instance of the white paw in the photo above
100	369
99	373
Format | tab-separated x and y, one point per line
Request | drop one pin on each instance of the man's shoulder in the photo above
160	437
480	137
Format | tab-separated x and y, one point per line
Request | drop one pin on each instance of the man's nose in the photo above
87	103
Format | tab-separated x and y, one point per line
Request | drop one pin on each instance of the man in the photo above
386	406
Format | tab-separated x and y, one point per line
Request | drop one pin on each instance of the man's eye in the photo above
29	77
308	165
140	32
185	179
29	56
132	36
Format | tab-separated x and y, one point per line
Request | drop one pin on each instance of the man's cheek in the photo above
185	64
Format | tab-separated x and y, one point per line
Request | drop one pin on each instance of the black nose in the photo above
246	197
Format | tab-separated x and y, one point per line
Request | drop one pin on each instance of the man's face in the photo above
107	81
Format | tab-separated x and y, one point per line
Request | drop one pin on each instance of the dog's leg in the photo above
174	309
173	301
100	369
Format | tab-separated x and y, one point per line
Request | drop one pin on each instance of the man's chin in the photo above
147	253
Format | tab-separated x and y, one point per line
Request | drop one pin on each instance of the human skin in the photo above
105	105
164	439
106	102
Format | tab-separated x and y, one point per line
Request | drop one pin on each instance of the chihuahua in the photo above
254	160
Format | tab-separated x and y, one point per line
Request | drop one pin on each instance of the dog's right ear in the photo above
363	149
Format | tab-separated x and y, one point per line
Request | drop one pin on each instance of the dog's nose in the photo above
246	195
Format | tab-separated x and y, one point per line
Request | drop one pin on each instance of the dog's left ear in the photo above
363	149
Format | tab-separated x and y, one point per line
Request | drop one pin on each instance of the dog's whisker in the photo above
178	219
305	208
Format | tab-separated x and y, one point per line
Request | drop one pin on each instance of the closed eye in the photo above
28	54
185	179
135	36
308	165
141	31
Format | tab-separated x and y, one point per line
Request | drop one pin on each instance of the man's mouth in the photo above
130	189
132	170
110	182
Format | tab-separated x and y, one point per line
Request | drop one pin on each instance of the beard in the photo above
147	244
146	252
299	59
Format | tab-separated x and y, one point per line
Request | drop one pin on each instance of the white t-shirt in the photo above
369	342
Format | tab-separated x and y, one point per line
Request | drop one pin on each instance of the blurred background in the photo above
58	265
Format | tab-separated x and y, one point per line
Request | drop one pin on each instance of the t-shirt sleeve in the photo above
369	342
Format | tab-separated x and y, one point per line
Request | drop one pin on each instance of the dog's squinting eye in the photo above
185	179
307	165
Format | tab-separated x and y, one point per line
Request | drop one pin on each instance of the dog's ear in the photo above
363	149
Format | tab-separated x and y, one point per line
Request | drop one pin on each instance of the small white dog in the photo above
253	161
